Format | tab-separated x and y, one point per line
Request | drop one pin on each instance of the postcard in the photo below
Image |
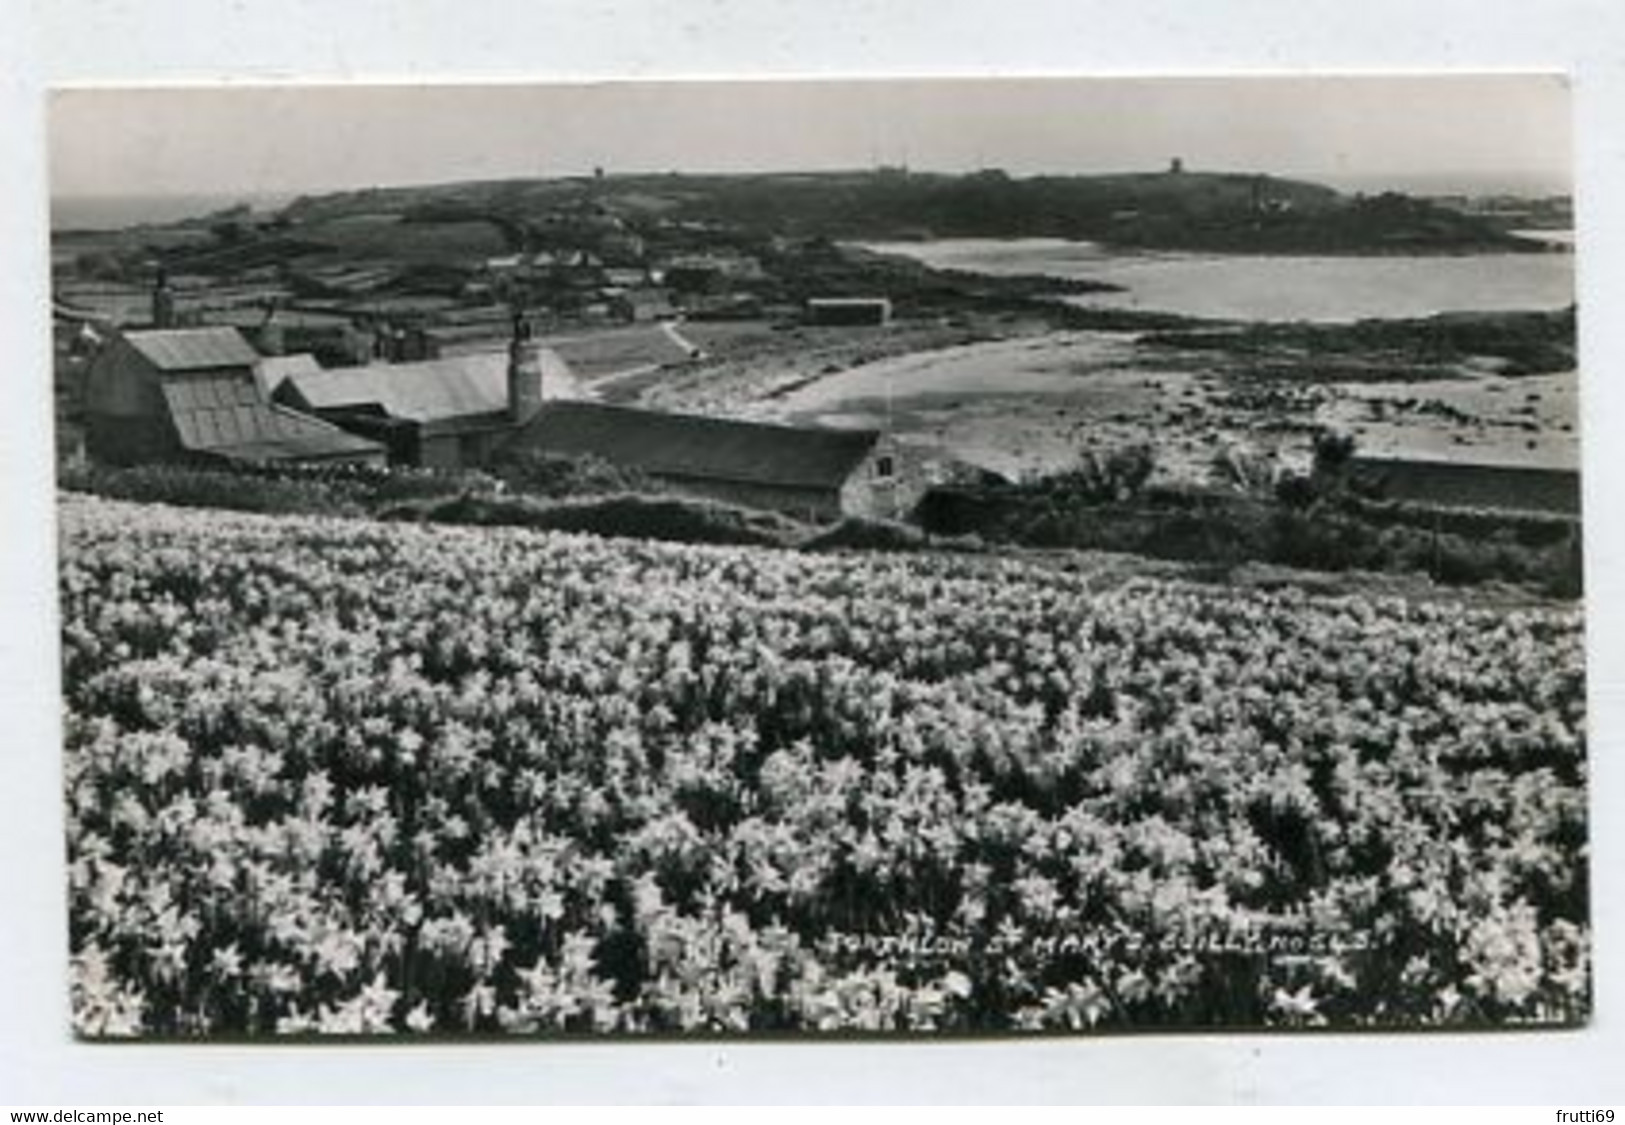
908	557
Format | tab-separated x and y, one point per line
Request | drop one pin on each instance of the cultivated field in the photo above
334	776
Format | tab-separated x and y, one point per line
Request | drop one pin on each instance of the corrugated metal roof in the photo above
312	448
1466	484
191	349
224	415
687	445
430	391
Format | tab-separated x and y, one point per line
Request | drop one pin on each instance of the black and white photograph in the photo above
901	558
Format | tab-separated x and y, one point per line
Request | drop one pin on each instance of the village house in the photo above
710	274
640	305
193	394
351	279
621	247
447	413
808	473
334	338
624	277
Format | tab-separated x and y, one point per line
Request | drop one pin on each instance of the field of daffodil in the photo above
328	776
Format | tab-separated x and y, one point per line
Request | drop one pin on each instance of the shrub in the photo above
1294	490
291	489
1117	476
1247	471
552	475
671	518
190	487
399	483
1334	453
1302	527
861	534
622	516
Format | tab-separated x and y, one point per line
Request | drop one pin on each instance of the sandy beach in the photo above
1033	401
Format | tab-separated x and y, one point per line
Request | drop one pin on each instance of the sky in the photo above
1439	131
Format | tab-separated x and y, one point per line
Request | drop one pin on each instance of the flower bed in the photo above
342	777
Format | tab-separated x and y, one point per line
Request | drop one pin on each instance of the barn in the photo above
808	473
187	394
441	413
1462	484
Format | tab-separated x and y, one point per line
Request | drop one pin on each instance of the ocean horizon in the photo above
115	212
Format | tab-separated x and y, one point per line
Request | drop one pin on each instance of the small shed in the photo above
193	393
810	473
857	311
641	305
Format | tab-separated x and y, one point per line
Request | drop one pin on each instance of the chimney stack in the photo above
163	301
524	373
270	334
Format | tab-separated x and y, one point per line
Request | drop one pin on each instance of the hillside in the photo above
583	251
1187	210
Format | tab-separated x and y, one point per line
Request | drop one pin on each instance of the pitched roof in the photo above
189	349
429	391
615	351
272	369
696	447
1466	484
226	416
252	318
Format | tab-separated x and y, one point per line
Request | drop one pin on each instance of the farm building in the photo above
332	337
640	305
443	413
1456	484
849	310
179	394
816	474
710	273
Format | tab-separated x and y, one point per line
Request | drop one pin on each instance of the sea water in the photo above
1270	287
